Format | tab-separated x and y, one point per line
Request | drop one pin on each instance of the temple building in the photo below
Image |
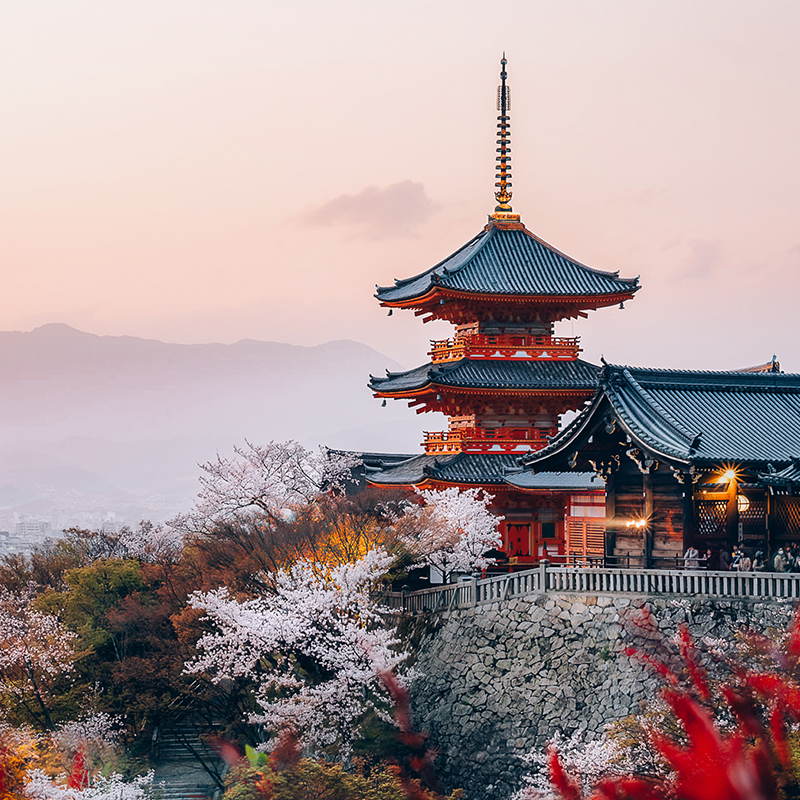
504	378
689	459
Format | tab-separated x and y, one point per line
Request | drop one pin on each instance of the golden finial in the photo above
503	195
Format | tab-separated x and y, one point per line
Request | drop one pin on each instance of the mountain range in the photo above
116	425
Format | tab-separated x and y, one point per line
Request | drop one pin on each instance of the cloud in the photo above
702	262
392	212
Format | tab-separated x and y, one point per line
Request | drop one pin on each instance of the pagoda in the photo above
504	378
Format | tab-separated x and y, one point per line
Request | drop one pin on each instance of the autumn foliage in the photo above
736	739
283	774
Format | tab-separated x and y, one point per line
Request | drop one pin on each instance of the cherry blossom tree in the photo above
590	760
452	530
96	736
314	650
112	787
150	543
266	480
35	652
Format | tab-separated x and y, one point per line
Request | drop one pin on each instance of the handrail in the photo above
506	340
529	434
479	439
593	580
506	346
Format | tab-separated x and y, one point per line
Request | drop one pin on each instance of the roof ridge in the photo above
653	403
752	376
605	273
466	261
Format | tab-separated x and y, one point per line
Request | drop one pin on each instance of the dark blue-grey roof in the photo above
494	374
788	478
556	481
469	468
510	262
382	459
696	417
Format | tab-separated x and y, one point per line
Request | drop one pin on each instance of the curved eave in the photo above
439	471
581	427
560	445
429	482
478	241
497	485
507	252
564	443
411	487
655	447
430	388
580	301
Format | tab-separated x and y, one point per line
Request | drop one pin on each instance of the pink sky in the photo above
198	171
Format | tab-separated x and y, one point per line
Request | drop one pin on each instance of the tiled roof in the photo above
788	477
493	374
510	262
696	417
556	481
408	472
383	459
370	458
368	463
469	468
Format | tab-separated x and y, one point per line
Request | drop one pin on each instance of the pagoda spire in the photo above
503	176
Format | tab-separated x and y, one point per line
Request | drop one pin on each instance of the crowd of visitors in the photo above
740	559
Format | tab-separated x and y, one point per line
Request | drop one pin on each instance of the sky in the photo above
200	170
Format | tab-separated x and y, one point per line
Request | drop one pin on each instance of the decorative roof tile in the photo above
505	261
788	478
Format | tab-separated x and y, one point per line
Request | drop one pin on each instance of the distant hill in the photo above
120	422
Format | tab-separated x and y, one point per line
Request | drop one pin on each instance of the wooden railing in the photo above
547	579
485	440
505	346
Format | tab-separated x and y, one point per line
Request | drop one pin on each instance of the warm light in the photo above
636	523
730	472
742	503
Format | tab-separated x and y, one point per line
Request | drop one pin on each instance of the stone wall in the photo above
497	681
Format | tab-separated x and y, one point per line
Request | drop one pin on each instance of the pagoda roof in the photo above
509	260
690	417
493	374
460	468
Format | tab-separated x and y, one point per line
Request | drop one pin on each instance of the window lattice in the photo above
786	516
711	517
754	518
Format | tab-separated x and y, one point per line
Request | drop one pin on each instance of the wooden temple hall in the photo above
656	460
703	459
